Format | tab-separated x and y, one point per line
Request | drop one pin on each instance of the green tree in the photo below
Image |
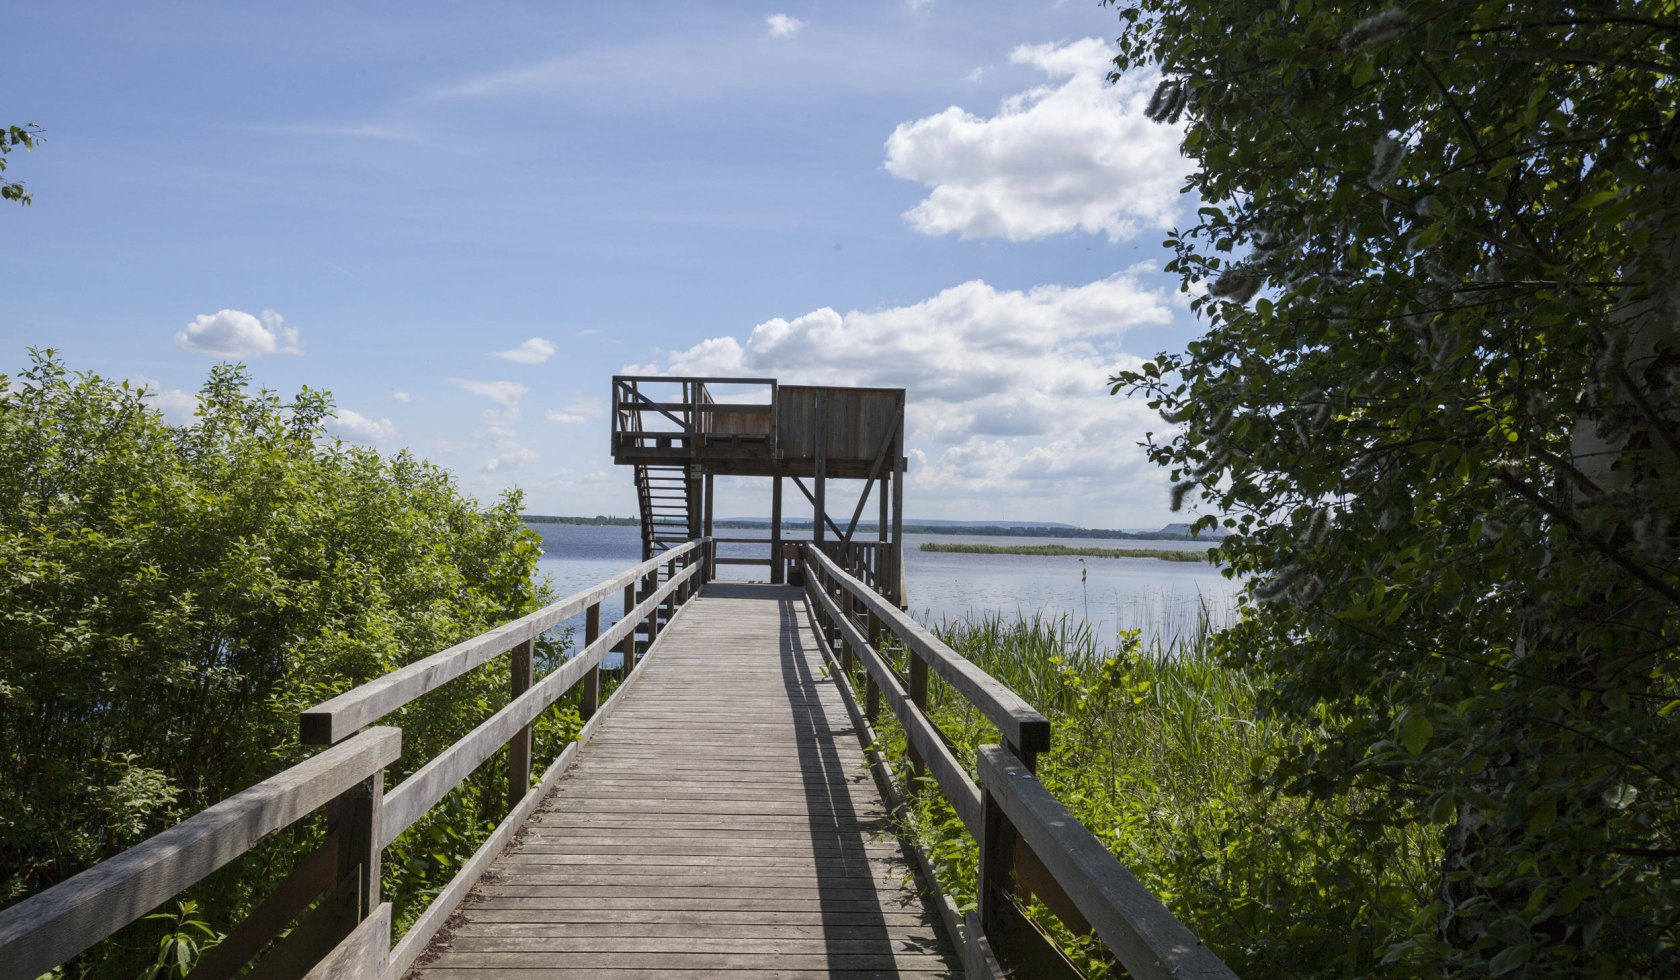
12	137
170	597
1437	255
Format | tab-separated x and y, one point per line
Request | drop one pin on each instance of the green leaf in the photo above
1415	731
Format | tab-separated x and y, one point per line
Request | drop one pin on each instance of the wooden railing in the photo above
348	931
692	415
1030	844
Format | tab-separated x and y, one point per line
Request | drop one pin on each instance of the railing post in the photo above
846	655
918	671
355	817
519	747
997	865
629	650
591	697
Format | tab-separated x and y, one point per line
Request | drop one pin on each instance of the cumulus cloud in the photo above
234	333
401	396
357	427
1008	405
506	394
1079	154
533	351
781	25
578	411
178	406
498	431
515	458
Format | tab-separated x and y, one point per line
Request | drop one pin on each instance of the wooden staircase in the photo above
669	497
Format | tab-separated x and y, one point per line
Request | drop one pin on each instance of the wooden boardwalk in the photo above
721	821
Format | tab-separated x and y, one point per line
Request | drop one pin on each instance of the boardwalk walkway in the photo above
721	821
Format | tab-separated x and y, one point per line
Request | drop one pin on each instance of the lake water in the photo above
1162	598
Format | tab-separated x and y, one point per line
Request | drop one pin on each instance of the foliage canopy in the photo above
1437	255
171	597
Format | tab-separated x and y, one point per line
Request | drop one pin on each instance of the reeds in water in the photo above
1162	751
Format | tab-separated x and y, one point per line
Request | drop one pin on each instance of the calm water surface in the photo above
1162	598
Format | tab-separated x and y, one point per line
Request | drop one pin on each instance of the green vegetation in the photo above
11	138
1160	752
171	597
1437	256
1164	554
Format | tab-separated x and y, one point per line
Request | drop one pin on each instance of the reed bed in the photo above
1162	751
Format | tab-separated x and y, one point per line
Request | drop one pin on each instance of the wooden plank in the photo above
1147	940
948	773
335	719
1019	722
727	797
43	931
362	953
444	905
432	782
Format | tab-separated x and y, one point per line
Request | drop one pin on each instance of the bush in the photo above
171	597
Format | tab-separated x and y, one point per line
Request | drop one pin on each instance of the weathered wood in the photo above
919	731
449	898
1147	940
431	782
519	747
778	567
43	931
591	697
335	719
362	953
296	892
650	828
1021	725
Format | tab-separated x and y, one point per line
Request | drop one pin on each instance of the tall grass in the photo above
1161	751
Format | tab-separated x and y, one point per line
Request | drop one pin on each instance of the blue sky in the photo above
462	219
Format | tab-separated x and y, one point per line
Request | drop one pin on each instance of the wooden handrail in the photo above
1021	725
1030	844
922	734
348	932
44	930
1145	937
337	718
410	799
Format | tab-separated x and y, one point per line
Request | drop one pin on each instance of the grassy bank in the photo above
1164	554
1161	753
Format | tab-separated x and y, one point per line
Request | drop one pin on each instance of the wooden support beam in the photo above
520	669
819	440
778	566
591	697
812	498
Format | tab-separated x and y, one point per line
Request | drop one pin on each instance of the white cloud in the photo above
533	351
515	458
357	427
781	25
1008	404
233	333
587	333
579	410
1079	155
506	394
401	396
178	406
